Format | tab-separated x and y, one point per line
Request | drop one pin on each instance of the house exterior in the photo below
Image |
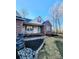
33	32
19	23
29	27
32	28
47	27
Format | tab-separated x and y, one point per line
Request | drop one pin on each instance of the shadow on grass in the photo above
58	36
59	45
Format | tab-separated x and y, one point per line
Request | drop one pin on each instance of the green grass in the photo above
59	45
53	49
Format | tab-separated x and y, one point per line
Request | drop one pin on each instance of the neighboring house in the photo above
47	27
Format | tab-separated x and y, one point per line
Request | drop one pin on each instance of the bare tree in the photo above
56	14
23	13
60	10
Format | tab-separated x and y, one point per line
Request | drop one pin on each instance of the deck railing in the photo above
34	38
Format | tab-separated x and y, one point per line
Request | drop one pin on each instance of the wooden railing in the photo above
34	38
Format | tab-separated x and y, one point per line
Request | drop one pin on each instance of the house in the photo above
33	27
33	33
47	27
33	30
19	23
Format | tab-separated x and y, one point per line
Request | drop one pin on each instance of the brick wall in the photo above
45	26
19	25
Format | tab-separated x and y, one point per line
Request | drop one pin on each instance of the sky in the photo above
35	8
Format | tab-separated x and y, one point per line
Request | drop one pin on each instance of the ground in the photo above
53	48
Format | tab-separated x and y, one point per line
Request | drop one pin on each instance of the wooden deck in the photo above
34	38
33	34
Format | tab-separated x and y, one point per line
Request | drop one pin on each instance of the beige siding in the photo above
35	30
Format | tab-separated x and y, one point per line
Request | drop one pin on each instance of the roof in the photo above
32	24
47	22
27	20
18	17
37	20
17	14
23	19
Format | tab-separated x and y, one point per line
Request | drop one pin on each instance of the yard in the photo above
53	48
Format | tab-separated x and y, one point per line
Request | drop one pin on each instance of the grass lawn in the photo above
53	49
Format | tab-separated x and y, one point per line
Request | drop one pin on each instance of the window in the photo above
39	29
47	28
29	28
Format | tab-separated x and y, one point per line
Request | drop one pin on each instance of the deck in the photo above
34	38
